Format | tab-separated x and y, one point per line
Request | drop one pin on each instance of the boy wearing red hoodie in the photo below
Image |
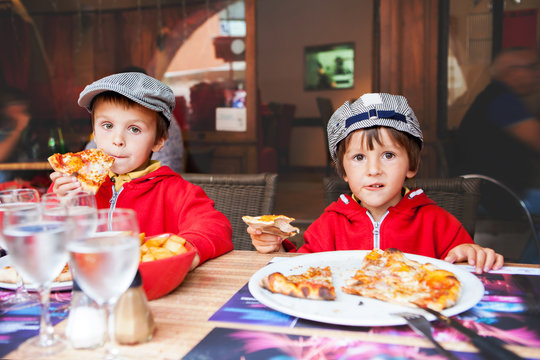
131	113
376	143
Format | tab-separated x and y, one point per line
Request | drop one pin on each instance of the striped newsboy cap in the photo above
372	110
139	87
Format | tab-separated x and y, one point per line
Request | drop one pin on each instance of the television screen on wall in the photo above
329	67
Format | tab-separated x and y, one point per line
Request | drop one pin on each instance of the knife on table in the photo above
490	348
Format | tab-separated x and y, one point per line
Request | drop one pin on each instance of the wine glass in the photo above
105	263
12	199
37	247
80	208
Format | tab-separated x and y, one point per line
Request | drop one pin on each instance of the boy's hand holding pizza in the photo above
265	243
85	170
64	183
267	232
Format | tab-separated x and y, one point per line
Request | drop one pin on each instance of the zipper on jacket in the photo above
112	201
376	229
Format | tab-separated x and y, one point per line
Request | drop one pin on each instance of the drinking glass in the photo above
80	208
105	263
12	199
37	247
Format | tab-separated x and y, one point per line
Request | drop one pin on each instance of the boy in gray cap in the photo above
131	113
376	143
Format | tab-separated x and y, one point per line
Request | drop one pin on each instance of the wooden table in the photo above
42	165
182	316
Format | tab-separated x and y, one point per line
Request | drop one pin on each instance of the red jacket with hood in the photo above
415	225
166	203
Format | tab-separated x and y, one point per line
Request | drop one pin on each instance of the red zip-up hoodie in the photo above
415	225
166	203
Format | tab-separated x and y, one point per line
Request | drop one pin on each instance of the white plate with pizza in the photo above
8	279
349	309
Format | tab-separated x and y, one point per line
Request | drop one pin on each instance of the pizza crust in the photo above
314	284
273	224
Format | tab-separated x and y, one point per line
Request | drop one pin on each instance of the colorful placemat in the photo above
23	323
509	311
225	344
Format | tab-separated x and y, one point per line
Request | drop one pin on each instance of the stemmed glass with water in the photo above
37	246
105	263
36	236
78	207
17	199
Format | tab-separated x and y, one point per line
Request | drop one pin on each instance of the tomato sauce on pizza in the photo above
91	167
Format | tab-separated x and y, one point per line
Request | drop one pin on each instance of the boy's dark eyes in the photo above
389	155
359	157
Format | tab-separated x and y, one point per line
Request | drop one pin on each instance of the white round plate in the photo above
55	286
353	310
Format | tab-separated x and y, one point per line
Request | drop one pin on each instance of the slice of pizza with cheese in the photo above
390	276
90	166
315	284
9	275
273	224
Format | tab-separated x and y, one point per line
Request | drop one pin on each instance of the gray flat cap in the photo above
372	110
139	87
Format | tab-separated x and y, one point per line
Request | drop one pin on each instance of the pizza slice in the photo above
90	166
273	224
9	275
314	284
390	276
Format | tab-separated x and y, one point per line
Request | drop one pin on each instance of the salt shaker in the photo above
86	324
134	323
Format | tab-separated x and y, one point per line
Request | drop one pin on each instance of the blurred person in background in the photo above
14	120
499	135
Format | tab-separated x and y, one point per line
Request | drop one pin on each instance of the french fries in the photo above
161	247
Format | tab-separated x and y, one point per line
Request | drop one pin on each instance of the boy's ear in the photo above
158	144
411	173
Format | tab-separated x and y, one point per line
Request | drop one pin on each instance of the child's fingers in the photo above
253	231
266	243
55	175
483	259
499	262
479	260
462	252
266	249
451	257
65	183
493	260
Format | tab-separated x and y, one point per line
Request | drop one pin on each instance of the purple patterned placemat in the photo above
225	344
508	311
18	325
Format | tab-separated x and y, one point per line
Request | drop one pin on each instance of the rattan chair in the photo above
458	196
238	195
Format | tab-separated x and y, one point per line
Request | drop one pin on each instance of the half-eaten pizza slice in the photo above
315	284
90	166
273	224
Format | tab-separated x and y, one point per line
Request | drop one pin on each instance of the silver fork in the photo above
422	326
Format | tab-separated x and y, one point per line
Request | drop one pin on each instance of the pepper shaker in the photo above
134	323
